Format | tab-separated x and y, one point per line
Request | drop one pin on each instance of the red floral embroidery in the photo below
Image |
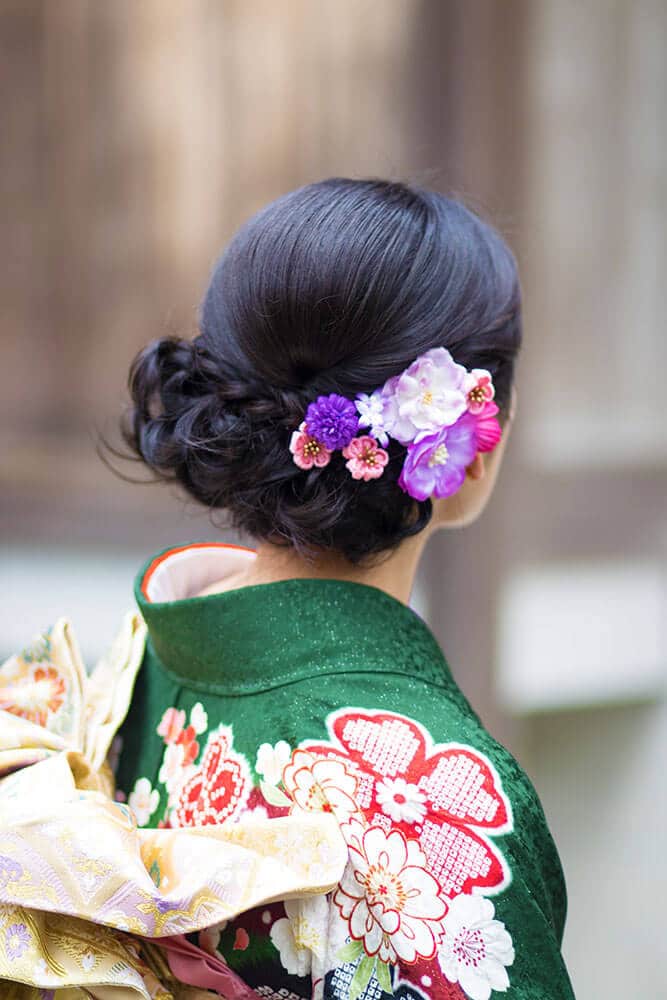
455	794
219	788
425	978
171	725
187	738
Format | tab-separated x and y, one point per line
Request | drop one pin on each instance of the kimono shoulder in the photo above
307	696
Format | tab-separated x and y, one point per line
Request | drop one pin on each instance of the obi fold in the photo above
91	905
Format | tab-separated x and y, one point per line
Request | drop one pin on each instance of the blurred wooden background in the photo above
138	134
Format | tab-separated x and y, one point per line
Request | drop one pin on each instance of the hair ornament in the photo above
437	409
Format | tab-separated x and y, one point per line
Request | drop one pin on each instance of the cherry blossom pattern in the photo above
457	787
365	459
198	719
306	450
187	740
173	772
475	947
143	800
218	789
271	759
171	724
393	905
320	785
301	935
173	730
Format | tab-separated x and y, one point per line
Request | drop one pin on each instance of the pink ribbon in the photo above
196	967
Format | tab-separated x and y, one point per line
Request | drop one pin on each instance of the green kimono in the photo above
328	695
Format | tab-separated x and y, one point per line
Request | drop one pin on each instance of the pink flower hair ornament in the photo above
437	409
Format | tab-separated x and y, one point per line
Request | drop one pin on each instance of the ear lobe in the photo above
476	468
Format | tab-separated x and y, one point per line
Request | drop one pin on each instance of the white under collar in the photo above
185	571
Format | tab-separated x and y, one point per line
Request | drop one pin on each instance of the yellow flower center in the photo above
427	398
476	395
305	935
311	447
368	456
317	800
439	456
386	887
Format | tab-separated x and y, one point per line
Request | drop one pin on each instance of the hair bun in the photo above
333	288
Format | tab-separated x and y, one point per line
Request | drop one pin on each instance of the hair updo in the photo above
332	288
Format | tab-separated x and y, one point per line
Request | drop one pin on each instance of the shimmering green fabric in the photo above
273	661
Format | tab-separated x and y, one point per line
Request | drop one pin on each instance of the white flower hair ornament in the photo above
441	412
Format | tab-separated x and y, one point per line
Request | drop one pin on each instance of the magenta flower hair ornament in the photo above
439	411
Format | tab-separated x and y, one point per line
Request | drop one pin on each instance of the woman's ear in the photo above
476	468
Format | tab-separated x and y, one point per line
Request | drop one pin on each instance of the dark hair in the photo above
333	287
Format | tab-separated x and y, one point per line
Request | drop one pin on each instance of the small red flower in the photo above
307	450
187	739
366	459
479	390
171	725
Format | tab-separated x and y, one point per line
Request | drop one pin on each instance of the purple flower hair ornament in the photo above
332	420
428	395
435	466
437	409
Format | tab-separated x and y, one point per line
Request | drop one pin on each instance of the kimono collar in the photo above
264	635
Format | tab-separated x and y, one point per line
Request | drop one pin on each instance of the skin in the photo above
395	574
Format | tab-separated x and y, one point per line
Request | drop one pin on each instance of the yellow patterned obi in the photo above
84	892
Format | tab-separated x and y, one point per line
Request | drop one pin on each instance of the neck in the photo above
395	574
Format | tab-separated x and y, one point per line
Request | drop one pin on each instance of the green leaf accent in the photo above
349	952
383	977
362	976
154	872
273	795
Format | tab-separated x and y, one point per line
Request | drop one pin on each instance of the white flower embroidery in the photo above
475	948
198	719
271	760
143	800
173	766
320	784
393	904
302	934
402	802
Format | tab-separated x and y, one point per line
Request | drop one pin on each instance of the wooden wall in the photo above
137	137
